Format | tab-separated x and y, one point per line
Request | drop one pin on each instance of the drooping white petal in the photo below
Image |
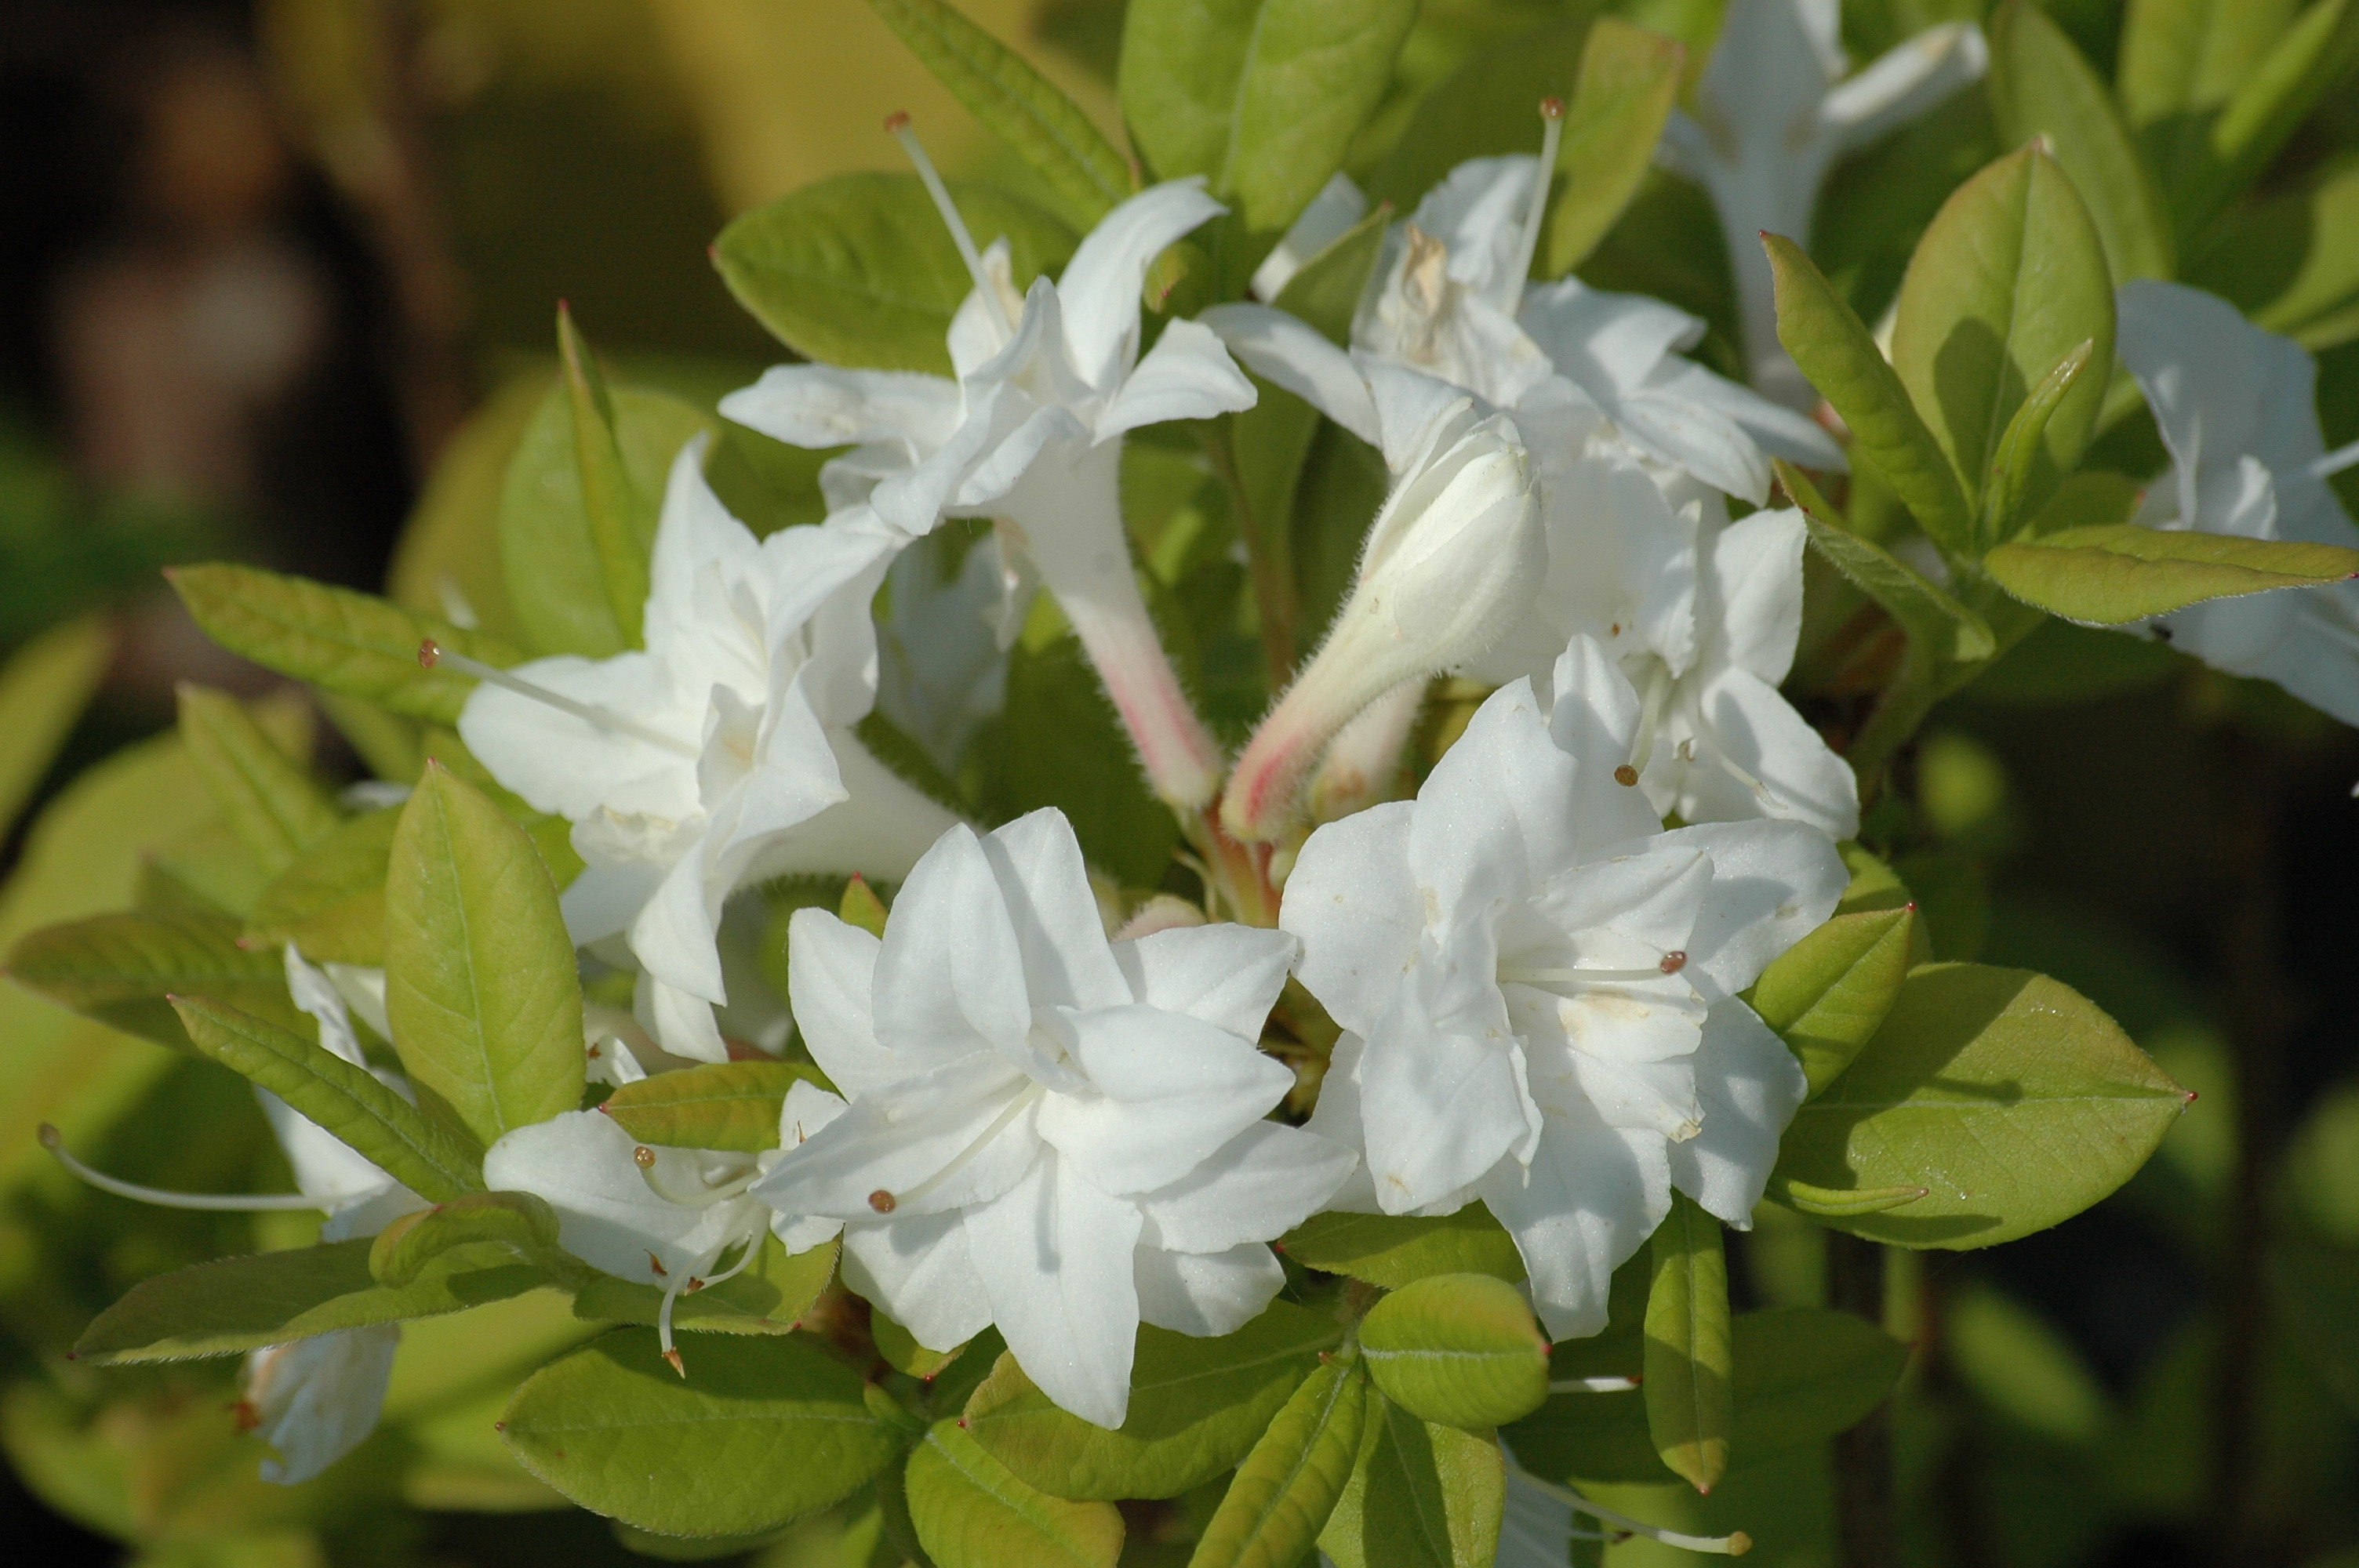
1187	375
1289	352
317	1400
1100	289
1592	1196
583	1165
1055	1257
1749	1085
570	767
1206	1293
822	405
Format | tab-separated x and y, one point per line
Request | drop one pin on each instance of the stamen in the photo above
1736	1545
1674	962
898	125
1593	1385
1511	287
642	1156
231	1203
1650	716
2335	461
1626	775
431	654
663	1313
703	1198
1512	977
884	1202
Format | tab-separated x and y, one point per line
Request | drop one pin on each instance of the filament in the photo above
1650	716
1593	1385
884	1202
899	125
689	1281
705	1198
1511	287
1733	1545
233	1203
2335	461
432	655
1512	977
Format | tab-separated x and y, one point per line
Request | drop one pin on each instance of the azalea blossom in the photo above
1539	988
942	670
660	1216
1030	432
2236	409
1048	1131
1771	116
722	753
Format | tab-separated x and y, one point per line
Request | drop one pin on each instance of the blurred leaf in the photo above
236	1304
121	968
721	1105
1057	742
2009	281
2023	1366
1196	1408
1047	129
618	507
970	1512
1489	105
480	980
1393	1250
2113	574
1422	1496
43	688
861	907
2322	1166
770	1297
1262	97
1461	1349
330	903
1629	80
423	1154
858	270
344	642
2325	256
1287	1488
447	561
1977	1077
1686	1361
759	1432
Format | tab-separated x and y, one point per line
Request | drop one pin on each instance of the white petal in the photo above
325	1166
1229	976
1696	437
831	968
318	1398
880	828
898	1140
1905	81
805	1109
604	900
580	1163
1206	1293
682	1021
570	767
950	967
1054	1255
1750	1086
1186	375
1100	289
1772	884
1166	1091
1067	958
1491	820
1331	214
1442	1090
1754	614
1743	718
1591	1197
1288	351
1265	1182
821	406
1353	904
918	1271
1595	718
1780	431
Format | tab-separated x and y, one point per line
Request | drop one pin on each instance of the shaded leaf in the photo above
2006	489
1288	1485
1686	1379
1392	1251
330	903
1935	620
970	1512
43	688
618	506
1803	1199
1422	1496
268	801
120	969
1826	995
2113	574
721	1105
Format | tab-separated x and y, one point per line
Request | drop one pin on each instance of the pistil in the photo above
232	1202
1527	244
898	125
884	1202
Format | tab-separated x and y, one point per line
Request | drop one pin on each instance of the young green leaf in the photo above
2008	495
723	1105
123	969
268	801
1287	1486
1262	97
1827	995
970	1512
1392	1251
1688	1370
352	643
1196	1408
1801	1376
1835	350
1422	1496
770	1297
424	1155
2307	60
234	1305
1047	129
1629	80
1461	1349
480	981
860	907
2116	573
2039	86
1978	1081
1947	631
523	1224
2009	280
858	270
43	688
330	903
580	504
758	1434
1826	1202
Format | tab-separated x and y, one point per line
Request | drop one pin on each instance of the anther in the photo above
432	655
694	1285
1626	775
644	1157
657	1264
1674	962
1552	108
881	1201
678	1365
896	121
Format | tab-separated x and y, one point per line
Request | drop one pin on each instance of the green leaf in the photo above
1287	1486
480	981
423	1154
858	270
860	907
2178	57
2116	573
1461	1349
970	1512
769	1297
1688	1370
270	802
1945	629
520	1222
1836	351
352	643
330	903
1047	129
723	1105
43	688
121	968
1422	1496
2006	491
1803	1199
2008	281
2316	231
1196	1407
1325	290
1488	106
1827	994
2040	86
1629	80
236	1304
2007	1094
1392	1251
1801	1376
580	504
1262	97
2307	60
901	1350
758	1434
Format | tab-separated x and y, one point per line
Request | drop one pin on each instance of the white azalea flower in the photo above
1538	989
943	662
1030	432
660	1216
1772	114
722	753
2236	409
1048	1131
316	1400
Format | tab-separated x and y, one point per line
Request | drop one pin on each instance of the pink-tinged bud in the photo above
1452	560
1362	765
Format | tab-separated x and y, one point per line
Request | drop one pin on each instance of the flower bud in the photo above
1453	558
